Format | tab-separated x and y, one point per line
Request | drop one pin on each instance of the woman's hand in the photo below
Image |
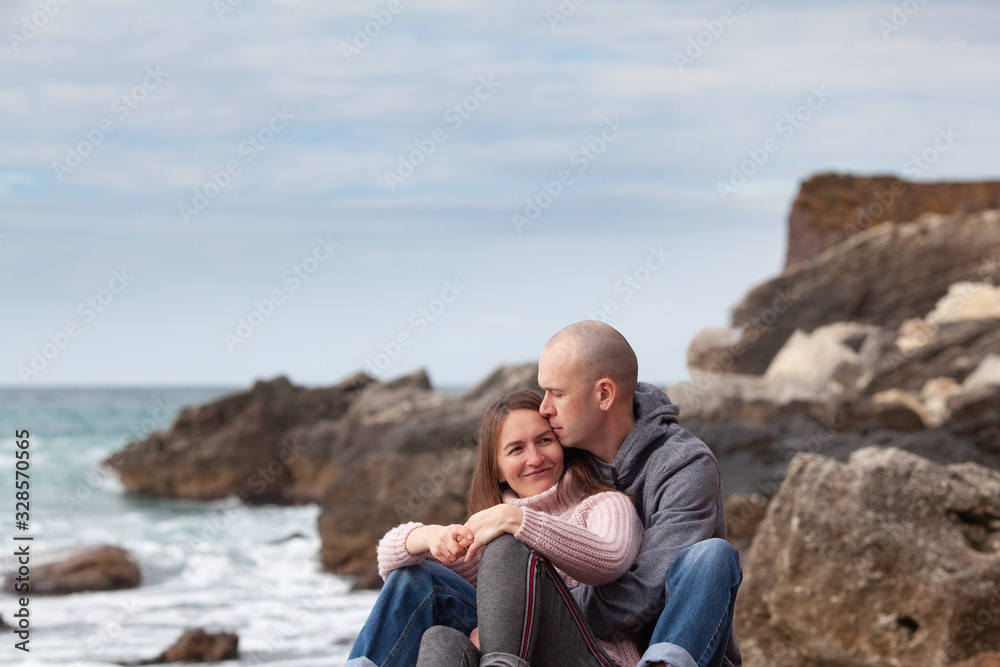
490	524
445	543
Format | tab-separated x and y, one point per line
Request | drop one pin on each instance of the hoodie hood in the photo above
655	420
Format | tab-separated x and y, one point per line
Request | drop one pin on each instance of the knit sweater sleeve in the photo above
596	552
392	555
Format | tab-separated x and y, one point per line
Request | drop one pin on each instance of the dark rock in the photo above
200	646
975	416
243	444
744	512
867	415
197	646
887	559
831	207
952	349
104	568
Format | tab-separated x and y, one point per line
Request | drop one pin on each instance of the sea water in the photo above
222	566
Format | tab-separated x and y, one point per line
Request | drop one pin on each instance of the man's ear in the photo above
606	393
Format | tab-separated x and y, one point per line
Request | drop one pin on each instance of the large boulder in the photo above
831	207
884	276
196	645
888	559
103	568
242	444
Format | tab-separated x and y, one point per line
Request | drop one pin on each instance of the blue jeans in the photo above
413	599
697	621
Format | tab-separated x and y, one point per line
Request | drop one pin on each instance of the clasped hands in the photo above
449	543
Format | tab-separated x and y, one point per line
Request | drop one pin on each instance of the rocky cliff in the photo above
883	276
833	207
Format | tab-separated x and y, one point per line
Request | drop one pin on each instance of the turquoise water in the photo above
217	565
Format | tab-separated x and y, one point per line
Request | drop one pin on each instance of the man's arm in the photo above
680	507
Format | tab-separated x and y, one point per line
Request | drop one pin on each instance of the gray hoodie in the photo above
674	479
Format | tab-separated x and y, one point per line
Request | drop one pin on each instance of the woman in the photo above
549	499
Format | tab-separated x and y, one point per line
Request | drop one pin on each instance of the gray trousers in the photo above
519	593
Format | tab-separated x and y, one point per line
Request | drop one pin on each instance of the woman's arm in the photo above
595	553
412	543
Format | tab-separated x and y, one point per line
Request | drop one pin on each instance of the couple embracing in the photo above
596	534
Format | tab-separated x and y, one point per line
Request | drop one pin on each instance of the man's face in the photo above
570	404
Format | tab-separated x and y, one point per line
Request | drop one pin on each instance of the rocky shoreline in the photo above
853	405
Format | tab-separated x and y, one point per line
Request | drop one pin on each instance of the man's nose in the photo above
545	409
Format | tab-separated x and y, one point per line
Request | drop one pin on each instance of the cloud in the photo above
355	120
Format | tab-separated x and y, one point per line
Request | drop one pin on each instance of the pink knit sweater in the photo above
589	539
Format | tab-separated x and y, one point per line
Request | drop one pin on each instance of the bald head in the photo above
600	351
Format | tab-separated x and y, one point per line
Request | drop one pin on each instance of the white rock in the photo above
811	358
986	373
966	301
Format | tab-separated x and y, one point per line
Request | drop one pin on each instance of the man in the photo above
681	589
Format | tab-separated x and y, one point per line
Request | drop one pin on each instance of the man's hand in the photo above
474	637
446	543
490	524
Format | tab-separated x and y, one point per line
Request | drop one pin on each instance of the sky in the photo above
214	192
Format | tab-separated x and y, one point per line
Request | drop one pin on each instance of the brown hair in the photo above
486	490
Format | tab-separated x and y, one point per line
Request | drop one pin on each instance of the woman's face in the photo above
529	456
